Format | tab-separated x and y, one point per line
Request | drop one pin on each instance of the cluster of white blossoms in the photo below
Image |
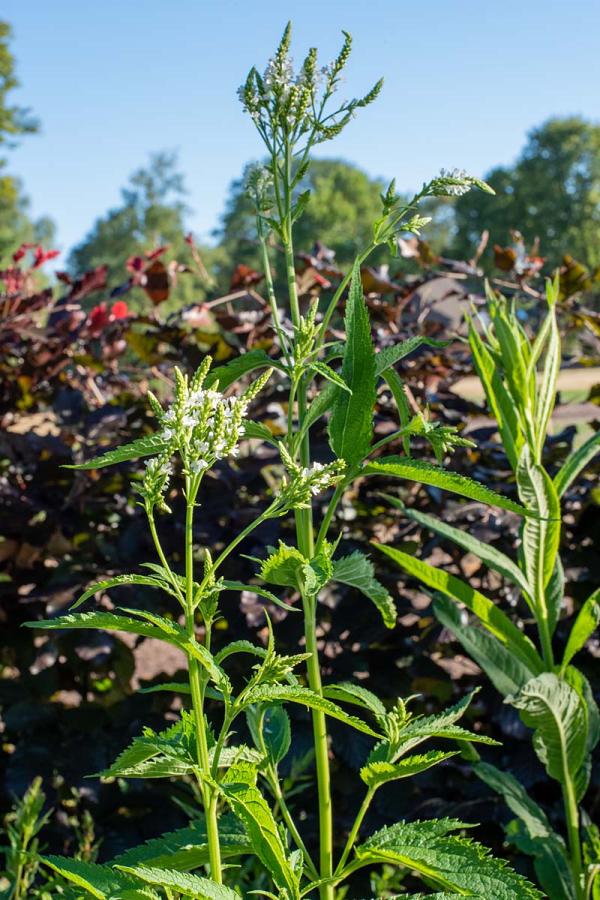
305	482
201	426
283	101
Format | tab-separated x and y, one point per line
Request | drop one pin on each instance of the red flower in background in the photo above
120	310
41	256
100	316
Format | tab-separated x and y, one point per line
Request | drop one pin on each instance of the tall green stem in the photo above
197	691
572	817
305	539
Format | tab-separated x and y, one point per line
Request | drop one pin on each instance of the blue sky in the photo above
114	81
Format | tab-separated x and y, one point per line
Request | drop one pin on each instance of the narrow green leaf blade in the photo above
507	673
122	580
436	476
184	882
389	356
587	621
377	773
490	616
224	376
351	423
575	463
493	558
281	693
146	446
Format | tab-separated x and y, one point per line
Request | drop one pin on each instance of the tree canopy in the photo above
552	192
16	225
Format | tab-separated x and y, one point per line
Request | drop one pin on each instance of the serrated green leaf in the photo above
575	463
493	558
377	773
279	693
267	595
356	694
146	446
440	725
389	356
437	476
224	376
507	673
356	570
187	848
123	580
394	382
248	804
555	712
284	567
270	728
351	422
447	861
331	375
258	431
241	646
99	881
165	630
586	623
184	882
321	404
492	618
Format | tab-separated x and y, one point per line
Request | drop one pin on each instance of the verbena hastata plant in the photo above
239	785
519	376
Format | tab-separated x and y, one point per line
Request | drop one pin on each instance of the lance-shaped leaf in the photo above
437	476
575	462
346	692
540	534
185	883
270	729
330	374
100	882
124	580
507	673
498	398
394	382
356	570
261	592
545	395
534	834
492	618
223	376
146	446
248	804
389	356
282	693
258	431
586	623
447	861
493	558
351	423
377	773
422	728
555	711
159	628
187	848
